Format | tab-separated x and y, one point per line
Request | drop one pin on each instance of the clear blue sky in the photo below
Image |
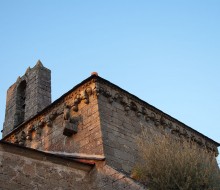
165	52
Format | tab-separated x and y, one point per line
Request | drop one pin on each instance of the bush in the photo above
167	163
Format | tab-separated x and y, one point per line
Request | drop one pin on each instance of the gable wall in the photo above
45	132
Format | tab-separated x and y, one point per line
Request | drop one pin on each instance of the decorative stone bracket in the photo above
20	139
160	120
70	124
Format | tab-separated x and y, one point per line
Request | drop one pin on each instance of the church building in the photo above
85	140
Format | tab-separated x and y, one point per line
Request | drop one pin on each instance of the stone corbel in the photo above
163	121
108	95
155	119
77	100
30	129
127	109
170	125
119	97
97	90
85	97
175	130
199	141
66	112
48	122
133	106
53	115
41	123
146	115
38	129
183	133
70	124
138	113
209	147
147	118
22	139
143	110
89	91
216	151
75	107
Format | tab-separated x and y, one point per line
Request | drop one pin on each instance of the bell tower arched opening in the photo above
20	103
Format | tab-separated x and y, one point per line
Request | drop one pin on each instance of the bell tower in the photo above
30	94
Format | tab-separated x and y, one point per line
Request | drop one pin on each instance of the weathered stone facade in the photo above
46	131
99	119
24	169
30	94
122	118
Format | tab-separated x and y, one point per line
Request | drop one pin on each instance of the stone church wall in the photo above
124	116
22	168
99	118
48	131
22	173
119	135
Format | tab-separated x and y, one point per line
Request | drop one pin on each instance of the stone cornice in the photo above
81	93
131	102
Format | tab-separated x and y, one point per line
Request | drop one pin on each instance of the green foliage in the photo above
168	163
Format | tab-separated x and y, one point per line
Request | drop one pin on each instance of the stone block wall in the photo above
38	92
104	177
22	168
10	110
34	170
46	131
119	135
124	116
30	94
